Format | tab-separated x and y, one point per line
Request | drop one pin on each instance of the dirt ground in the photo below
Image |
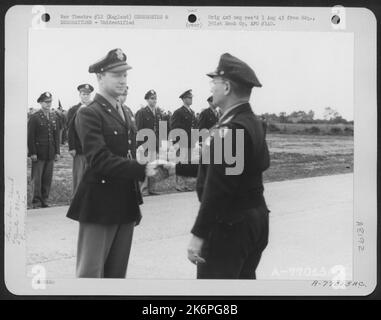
293	156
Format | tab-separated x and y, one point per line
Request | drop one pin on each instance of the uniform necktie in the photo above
120	111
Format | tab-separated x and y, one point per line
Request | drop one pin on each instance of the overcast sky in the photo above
298	70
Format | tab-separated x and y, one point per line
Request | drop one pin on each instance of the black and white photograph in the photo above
213	151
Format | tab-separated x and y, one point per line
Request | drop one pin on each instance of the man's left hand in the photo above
194	250
57	157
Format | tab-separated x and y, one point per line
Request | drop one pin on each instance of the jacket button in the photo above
129	141
115	132
103	181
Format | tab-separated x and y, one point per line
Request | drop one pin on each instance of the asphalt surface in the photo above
311	223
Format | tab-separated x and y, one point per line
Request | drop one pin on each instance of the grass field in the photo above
311	128
293	156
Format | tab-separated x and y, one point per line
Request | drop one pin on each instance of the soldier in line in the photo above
209	116
232	225
43	149
149	118
107	200
30	112
75	148
62	117
184	118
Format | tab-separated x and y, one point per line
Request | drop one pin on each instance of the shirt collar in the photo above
213	110
153	110
110	99
46	114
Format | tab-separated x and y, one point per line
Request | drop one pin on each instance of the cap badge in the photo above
119	54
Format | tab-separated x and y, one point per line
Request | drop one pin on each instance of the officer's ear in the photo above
228	87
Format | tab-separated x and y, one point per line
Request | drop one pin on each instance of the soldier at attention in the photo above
75	148
208	116
184	118
149	118
43	149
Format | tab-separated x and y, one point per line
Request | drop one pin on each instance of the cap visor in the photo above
212	74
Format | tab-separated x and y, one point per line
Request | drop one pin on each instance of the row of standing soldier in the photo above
48	128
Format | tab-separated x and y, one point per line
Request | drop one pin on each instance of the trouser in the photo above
64	136
184	157
61	136
233	251
103	250
79	166
42	175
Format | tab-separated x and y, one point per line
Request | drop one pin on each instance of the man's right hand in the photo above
72	153
33	157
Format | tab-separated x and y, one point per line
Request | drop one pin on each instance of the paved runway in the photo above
310	232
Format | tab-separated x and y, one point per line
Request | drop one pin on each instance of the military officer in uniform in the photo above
75	148
43	148
149	118
184	118
231	228
208	116
107	200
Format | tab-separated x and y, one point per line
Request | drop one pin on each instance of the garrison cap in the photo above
210	99
186	94
44	96
234	69
150	94
85	87
114	61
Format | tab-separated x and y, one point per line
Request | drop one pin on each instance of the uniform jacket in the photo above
108	192
133	129
184	119
43	136
73	139
225	198
145	119
207	119
61	119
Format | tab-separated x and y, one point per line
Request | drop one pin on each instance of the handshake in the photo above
160	169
